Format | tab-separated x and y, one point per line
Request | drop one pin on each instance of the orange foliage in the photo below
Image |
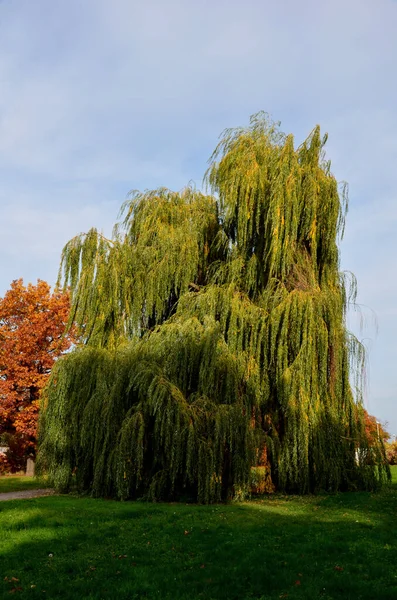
391	452
373	429
261	481
32	324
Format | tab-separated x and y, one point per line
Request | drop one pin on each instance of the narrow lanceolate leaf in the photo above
215	343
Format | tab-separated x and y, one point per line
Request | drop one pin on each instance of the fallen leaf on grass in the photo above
202	567
186	532
338	568
297	582
16	589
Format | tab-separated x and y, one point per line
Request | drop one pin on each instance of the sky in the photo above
98	97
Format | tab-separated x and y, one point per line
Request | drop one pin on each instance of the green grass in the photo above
340	546
18	483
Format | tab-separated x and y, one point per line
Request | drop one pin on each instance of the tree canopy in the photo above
215	337
32	326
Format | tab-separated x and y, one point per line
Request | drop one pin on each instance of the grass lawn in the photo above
342	546
17	483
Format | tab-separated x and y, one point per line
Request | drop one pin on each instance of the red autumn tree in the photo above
374	430
32	325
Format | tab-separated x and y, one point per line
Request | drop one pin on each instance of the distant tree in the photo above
32	327
374	429
391	452
215	337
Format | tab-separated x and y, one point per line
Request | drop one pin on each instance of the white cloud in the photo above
100	97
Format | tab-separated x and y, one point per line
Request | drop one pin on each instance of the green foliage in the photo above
215	334
124	286
260	481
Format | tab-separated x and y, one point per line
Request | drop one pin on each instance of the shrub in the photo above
391	452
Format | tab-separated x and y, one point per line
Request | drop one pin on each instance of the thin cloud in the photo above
99	97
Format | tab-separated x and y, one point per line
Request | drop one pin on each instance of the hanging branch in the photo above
215	337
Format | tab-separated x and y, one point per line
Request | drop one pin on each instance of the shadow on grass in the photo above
341	546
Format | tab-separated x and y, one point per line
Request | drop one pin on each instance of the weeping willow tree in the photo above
214	337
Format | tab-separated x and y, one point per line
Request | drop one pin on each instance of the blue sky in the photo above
100	97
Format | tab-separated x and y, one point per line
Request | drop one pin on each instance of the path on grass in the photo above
26	494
